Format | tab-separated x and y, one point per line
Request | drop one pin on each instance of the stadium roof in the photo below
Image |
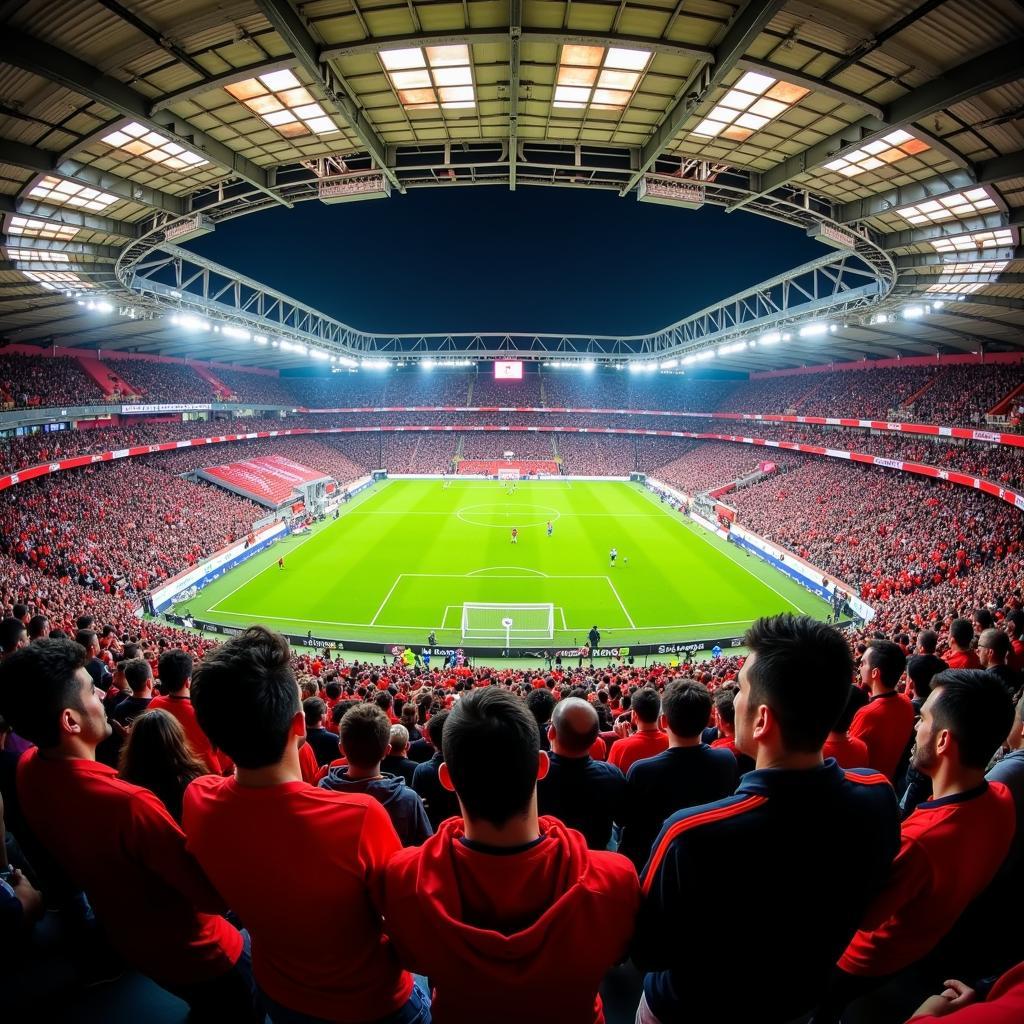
891	129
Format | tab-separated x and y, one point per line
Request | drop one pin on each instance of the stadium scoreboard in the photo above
508	369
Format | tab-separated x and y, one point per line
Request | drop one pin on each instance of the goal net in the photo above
508	474
508	622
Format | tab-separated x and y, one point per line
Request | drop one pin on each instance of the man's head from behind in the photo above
175	671
315	711
12	635
686	708
793	685
961	633
399	739
966	717
646	707
365	735
574	727
246	698
490	727
49	698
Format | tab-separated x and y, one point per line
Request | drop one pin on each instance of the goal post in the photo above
508	474
508	622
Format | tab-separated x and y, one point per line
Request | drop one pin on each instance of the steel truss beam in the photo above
943	259
100	252
515	31
986	222
44	162
55	65
839	284
746	26
529	35
77	218
974	76
289	26
987	173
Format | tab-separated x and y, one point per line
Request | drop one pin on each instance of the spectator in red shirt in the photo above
647	740
318	948
175	673
848	752
886	722
489	906
964	720
960	654
116	840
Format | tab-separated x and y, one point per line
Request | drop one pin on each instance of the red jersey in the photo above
636	747
491	928
885	724
848	752
961	659
1004	1005
950	850
308	764
180	706
317	942
118	843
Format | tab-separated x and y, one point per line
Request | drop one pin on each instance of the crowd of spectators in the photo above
258	388
886	533
866	394
27	381
696	762
119	525
154	381
710	464
489	391
490	445
962	395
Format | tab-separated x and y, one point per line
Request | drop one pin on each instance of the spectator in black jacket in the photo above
688	773
396	763
441	803
319	737
583	793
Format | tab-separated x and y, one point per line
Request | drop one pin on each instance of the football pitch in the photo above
405	555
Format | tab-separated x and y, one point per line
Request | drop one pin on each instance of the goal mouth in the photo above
507	622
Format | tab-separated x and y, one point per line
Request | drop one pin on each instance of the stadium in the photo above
363	659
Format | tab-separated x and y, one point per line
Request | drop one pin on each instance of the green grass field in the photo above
406	554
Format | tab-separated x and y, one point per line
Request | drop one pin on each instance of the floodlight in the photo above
813	330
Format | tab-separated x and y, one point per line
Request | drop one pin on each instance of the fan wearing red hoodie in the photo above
116	840
488	907
318	949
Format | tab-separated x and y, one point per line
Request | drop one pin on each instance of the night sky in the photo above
538	259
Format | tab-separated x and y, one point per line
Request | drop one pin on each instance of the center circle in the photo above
502	517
